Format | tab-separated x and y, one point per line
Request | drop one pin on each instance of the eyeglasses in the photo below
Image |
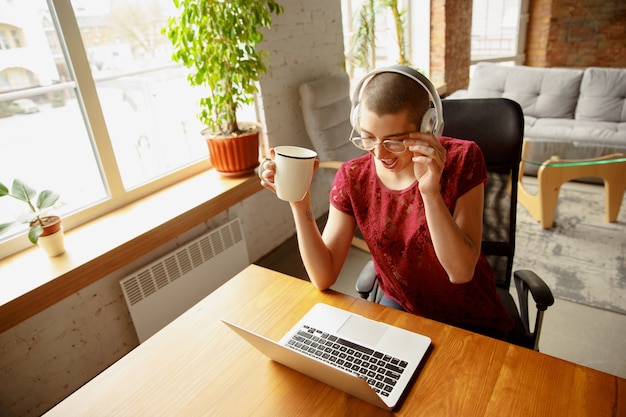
367	144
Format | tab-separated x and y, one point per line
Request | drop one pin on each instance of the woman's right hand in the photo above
267	171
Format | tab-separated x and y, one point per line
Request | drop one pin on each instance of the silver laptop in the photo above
371	360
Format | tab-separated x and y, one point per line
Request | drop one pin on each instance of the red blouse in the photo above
393	224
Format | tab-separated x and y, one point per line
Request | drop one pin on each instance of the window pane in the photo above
138	101
387	49
495	28
148	107
43	137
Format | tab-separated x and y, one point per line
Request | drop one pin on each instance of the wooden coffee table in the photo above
555	172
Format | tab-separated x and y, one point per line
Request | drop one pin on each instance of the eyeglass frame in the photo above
384	142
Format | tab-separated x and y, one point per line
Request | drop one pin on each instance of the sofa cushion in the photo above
487	80
579	132
602	95
542	92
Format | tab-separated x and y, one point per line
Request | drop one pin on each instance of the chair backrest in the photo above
497	126
326	108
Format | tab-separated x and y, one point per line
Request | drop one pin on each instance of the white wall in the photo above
47	357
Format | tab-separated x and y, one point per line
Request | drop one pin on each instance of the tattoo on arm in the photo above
309	214
470	244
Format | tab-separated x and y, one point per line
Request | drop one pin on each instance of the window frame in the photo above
71	43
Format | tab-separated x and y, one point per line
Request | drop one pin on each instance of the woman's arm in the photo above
323	255
457	238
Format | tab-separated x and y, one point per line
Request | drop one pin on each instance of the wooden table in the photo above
196	366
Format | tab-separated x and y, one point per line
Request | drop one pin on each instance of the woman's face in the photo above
389	126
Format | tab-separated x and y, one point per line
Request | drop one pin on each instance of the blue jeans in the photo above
388	302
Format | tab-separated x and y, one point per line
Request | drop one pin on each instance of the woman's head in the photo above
392	93
391	106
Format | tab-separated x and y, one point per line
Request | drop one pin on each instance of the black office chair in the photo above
497	126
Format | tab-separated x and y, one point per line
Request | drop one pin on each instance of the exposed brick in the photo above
576	33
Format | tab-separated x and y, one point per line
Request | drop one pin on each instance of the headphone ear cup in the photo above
429	121
354	115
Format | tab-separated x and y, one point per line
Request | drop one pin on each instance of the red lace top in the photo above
394	226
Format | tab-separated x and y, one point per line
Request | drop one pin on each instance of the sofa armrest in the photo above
458	94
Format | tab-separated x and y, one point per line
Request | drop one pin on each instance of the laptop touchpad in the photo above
359	328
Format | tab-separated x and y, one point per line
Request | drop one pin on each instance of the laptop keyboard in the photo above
381	371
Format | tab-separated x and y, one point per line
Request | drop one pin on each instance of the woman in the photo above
418	202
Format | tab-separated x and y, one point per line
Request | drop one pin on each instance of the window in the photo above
415	15
499	30
109	117
361	18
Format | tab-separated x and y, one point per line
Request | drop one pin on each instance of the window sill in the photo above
31	282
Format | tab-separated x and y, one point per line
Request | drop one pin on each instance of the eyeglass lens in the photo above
367	144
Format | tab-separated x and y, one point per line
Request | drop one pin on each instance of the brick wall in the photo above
451	24
458	27
537	33
577	33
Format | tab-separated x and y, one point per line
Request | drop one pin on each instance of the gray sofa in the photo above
570	113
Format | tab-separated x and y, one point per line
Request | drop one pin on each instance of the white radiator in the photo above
164	289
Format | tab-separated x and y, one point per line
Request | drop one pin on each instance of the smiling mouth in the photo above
389	163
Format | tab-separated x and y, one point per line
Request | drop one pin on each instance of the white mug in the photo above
294	172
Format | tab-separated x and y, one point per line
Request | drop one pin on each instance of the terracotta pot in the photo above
51	225
52	239
235	156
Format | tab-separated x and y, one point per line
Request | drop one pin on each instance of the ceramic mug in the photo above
294	172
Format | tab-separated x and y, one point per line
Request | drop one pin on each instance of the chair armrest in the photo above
525	281
366	280
538	288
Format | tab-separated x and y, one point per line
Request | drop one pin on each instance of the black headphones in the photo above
433	118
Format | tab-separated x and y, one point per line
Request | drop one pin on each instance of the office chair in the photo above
497	126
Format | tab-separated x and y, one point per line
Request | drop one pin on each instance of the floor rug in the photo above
582	257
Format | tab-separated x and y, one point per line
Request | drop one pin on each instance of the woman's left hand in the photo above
429	159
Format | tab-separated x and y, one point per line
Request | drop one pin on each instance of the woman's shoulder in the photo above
452	143
460	147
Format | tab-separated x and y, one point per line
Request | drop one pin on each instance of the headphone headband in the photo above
433	118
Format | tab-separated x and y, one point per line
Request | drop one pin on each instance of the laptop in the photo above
370	360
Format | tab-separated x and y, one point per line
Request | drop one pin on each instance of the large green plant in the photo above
217	40
363	43
36	204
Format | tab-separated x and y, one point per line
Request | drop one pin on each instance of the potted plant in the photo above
45	230
363	41
217	41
